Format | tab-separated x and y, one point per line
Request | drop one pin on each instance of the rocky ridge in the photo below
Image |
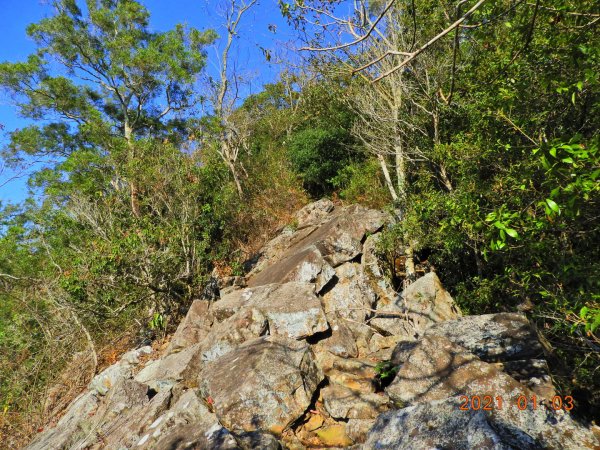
289	356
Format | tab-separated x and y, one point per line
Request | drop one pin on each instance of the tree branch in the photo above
431	41
356	41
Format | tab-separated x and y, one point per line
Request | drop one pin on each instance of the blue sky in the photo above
202	14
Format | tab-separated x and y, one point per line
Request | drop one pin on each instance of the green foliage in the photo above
518	225
311	121
126	222
361	182
157	322
386	372
317	155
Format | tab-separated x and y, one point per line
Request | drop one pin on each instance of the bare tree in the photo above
364	25
233	128
399	97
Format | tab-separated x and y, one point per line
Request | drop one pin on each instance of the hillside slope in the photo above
314	349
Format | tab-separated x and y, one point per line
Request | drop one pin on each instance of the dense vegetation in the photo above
485	145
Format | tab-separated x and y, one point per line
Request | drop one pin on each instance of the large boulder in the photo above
351	299
102	383
506	339
336	241
314	213
424	303
442	424
307	266
165	372
246	324
121	418
69	428
112	421
188	424
193	328
263	385
292	309
492	337
437	369
434	425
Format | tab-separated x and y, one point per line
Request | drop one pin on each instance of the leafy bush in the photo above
317	155
361	182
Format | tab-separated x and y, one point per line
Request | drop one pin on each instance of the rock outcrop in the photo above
291	356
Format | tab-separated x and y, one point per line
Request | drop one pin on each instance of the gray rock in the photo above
246	324
275	250
506	338
383	345
358	429
69	428
314	213
256	440
102	383
354	373
121	420
424	303
166	372
402	352
438	369
193	328
292	309
188	424
306	266
351	297
442	424
344	403
533	373
434	425
337	240
116	420
340	342
263	385
492	337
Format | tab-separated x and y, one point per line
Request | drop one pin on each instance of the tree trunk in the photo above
444	176
386	175
235	178
409	267
400	161
133	187
135	198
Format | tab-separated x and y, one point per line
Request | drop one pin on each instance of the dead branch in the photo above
431	41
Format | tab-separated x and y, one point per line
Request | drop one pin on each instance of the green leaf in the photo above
596	323
512	233
583	312
552	205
